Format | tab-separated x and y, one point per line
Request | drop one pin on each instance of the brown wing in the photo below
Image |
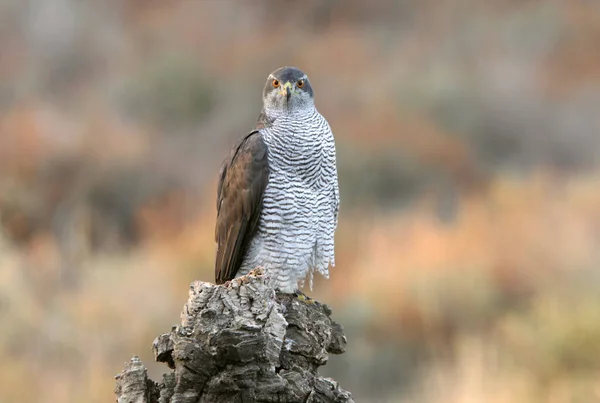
243	179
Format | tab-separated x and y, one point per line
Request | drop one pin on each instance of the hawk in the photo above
278	196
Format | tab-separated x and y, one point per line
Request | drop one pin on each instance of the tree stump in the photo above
241	342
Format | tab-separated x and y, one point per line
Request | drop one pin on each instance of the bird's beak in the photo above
286	90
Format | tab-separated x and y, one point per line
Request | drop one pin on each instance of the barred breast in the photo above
295	235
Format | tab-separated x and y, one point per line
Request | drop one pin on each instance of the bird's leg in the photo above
258	270
303	297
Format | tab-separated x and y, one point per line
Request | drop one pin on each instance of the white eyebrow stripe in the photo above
304	77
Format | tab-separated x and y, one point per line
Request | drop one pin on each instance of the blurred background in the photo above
468	136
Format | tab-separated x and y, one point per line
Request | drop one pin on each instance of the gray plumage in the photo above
278	196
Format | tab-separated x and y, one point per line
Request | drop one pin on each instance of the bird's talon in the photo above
303	297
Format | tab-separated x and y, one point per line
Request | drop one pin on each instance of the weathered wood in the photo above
241	342
133	385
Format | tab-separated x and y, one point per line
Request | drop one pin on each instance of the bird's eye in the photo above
300	83
275	83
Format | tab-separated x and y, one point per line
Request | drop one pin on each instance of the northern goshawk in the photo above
278	196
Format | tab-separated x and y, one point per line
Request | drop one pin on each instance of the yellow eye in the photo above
275	83
300	83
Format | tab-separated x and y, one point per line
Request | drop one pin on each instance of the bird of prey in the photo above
278	196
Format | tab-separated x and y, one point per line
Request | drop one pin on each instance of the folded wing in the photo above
242	182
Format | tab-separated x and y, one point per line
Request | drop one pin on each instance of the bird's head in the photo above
287	90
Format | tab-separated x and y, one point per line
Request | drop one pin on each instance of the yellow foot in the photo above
257	271
304	298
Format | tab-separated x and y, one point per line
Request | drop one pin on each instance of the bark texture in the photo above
241	342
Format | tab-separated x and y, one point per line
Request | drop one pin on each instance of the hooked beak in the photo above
286	90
